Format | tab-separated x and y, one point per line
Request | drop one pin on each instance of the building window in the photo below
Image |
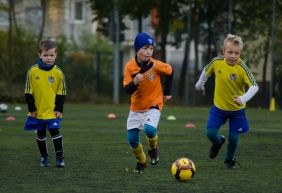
78	11
4	18
4	14
33	18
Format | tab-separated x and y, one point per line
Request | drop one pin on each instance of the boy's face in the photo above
231	53
48	56
145	53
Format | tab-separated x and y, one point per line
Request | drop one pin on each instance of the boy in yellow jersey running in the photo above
45	92
142	81
230	97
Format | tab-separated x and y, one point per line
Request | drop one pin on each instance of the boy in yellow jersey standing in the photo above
45	92
142	81
232	76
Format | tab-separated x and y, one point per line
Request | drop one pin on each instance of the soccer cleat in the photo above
215	148
140	167
60	162
44	161
232	164
154	155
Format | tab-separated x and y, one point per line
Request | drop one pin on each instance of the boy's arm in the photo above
30	102
248	95
59	103
168	80
252	90
128	82
167	76
200	85
130	88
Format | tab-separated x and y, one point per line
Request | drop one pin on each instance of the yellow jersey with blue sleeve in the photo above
230	81
44	86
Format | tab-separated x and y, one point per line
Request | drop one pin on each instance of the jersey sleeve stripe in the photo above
27	84
64	90
249	74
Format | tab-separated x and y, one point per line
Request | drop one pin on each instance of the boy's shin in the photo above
139	154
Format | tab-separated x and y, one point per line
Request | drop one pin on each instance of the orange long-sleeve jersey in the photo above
147	93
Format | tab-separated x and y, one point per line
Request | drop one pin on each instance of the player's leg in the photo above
58	147
233	141
152	138
53	127
42	147
152	118
216	119
133	137
238	123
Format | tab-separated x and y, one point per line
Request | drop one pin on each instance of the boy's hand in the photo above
237	100
166	98
58	114
33	114
201	90
138	78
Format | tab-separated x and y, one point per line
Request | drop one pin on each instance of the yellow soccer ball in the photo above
183	169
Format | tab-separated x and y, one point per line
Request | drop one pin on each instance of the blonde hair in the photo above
235	40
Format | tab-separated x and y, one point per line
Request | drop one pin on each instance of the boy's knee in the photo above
150	131
233	136
54	132
211	132
133	137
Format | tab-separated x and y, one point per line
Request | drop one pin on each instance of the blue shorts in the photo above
39	124
238	122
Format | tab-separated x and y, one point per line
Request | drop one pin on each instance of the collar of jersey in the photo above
44	66
140	64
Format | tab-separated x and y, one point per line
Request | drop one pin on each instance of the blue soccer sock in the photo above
213	135
232	145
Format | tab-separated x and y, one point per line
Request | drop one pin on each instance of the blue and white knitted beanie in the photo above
142	39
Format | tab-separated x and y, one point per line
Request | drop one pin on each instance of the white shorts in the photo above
138	119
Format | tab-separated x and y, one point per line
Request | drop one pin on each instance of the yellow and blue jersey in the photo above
44	85
230	81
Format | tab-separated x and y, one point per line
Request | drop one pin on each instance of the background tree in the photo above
140	10
43	21
254	24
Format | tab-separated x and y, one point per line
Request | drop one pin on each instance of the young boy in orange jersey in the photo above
142	81
232	76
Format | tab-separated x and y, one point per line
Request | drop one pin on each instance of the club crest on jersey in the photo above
151	77
233	77
51	79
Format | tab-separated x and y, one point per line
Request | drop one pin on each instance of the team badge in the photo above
151	77
51	79
233	77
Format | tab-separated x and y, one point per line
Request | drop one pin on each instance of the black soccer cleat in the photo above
232	164
154	155
60	162
44	161
215	148
140	167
